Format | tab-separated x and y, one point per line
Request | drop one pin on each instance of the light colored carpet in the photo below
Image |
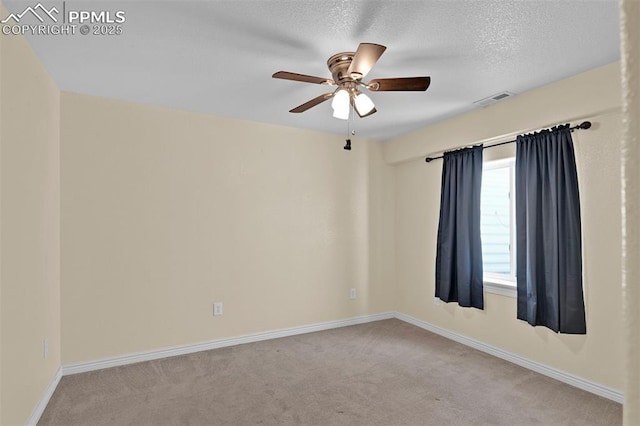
382	373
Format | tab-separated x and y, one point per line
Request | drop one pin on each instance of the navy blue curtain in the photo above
549	241
459	249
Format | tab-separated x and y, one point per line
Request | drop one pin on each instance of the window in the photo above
497	226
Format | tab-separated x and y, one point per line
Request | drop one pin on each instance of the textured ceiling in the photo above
218	56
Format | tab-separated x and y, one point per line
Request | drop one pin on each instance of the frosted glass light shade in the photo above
340	105
341	114
363	104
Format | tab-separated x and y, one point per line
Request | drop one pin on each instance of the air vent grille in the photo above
493	99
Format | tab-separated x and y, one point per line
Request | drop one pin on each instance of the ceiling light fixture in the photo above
363	104
340	105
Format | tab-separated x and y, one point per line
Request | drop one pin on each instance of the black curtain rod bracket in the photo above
584	126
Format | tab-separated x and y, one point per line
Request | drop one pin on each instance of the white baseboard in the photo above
220	343
579	382
42	404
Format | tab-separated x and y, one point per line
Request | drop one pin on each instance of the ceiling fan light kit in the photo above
348	69
340	104
364	105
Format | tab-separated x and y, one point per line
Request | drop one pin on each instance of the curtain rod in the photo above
584	125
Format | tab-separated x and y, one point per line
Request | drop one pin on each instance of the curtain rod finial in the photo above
428	159
584	125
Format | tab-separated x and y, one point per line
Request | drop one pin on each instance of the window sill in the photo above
501	287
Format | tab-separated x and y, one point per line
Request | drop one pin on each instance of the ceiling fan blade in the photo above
313	102
365	58
397	84
285	75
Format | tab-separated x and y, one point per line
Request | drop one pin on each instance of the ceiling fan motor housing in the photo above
339	65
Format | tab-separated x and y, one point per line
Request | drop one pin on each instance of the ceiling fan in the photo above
348	69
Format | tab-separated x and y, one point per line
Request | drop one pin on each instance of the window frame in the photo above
504	284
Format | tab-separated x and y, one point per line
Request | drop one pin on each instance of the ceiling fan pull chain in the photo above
347	146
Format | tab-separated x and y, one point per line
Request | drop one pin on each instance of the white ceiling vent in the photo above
493	99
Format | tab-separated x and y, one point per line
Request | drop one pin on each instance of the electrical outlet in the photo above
45	348
217	309
436	301
352	293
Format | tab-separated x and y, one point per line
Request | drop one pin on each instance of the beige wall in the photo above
30	229
630	36
165	212
597	356
573	98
